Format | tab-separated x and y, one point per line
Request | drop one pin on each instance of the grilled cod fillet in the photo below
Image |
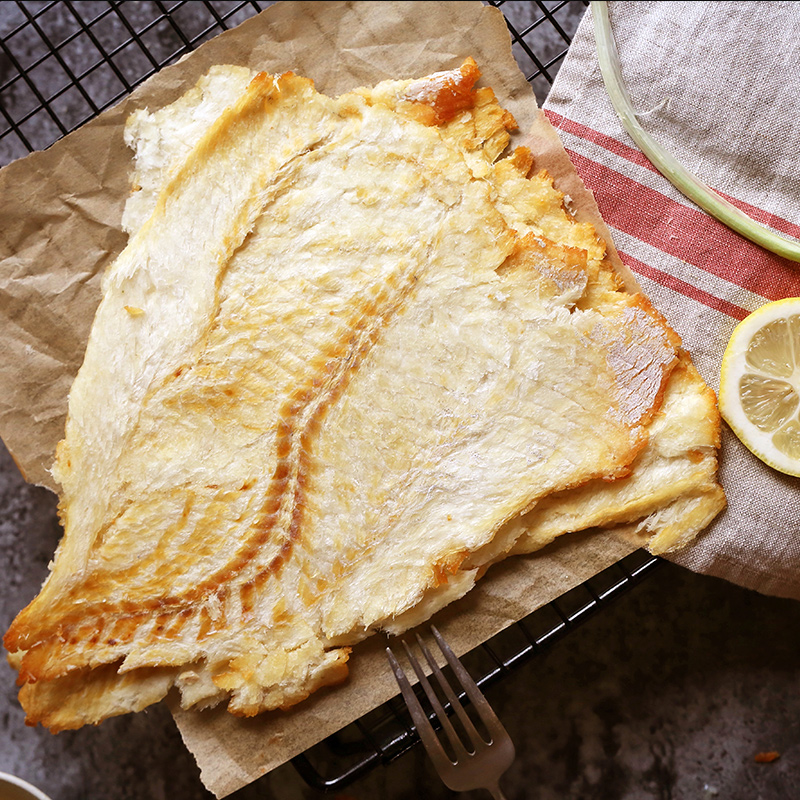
349	358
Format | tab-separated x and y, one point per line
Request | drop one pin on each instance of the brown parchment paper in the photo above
60	213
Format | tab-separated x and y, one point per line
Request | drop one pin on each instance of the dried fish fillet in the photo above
344	359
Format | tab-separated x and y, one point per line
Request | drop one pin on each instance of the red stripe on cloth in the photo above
676	284
640	159
606	142
686	233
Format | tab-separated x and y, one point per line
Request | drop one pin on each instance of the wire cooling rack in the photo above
64	62
386	733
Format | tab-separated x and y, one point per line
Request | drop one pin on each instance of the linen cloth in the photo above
717	84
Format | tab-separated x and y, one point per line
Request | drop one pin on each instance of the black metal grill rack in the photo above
62	62
386	733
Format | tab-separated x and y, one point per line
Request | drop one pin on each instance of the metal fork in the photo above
479	768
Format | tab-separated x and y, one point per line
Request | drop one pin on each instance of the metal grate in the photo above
385	734
541	34
63	62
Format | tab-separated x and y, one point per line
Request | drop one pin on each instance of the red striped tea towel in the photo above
717	85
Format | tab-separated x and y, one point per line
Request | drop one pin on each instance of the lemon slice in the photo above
759	394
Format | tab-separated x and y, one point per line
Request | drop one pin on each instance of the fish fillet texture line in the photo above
350	357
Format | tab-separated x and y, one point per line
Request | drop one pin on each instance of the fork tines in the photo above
478	766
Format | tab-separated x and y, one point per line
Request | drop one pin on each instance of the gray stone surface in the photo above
667	694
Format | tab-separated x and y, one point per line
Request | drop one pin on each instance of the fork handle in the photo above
495	792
